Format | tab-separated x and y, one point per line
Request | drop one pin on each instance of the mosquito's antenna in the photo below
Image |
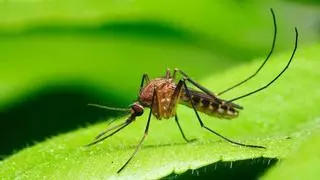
264	62
110	108
283	70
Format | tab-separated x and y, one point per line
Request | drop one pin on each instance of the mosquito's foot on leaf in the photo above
191	140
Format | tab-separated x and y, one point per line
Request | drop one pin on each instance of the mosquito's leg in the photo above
174	75
181	131
263	63
173	104
212	131
168	74
281	72
145	78
143	137
175	98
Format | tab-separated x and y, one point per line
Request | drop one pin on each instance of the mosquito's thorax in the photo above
164	88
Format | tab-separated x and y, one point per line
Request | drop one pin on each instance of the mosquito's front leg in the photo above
144	135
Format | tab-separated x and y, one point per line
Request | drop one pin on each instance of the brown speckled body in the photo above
164	88
210	106
165	101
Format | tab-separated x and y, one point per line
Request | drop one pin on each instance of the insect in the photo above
162	95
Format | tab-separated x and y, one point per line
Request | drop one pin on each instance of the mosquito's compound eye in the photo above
138	109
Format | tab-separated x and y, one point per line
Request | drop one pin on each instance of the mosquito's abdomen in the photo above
208	105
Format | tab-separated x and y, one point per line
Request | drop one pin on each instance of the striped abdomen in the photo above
210	106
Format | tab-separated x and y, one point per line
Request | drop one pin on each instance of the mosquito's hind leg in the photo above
212	131
274	79
263	63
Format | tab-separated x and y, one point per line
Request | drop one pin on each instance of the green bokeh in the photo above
56	56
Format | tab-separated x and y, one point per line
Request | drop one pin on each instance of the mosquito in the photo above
162	95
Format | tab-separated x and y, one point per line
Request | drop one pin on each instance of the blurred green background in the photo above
58	55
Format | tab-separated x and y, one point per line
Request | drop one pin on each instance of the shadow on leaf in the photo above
225	170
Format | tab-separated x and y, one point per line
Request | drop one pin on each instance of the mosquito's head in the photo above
137	109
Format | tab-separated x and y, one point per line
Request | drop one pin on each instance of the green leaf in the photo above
279	118
302	164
